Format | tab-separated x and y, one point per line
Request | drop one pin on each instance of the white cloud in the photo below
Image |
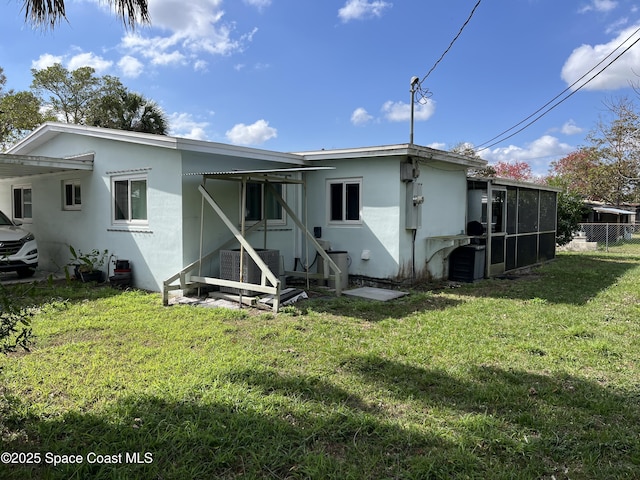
401	112
130	66
192	28
159	50
618	75
183	125
259	4
89	59
360	9
538	154
570	128
437	145
46	60
360	117
254	134
200	66
600	6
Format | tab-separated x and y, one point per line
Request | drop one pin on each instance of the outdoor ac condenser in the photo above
230	268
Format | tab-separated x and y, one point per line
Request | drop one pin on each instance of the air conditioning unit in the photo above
230	268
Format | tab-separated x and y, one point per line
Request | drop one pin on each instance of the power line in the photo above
425	93
559	95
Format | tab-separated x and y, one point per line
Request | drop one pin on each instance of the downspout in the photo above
413	257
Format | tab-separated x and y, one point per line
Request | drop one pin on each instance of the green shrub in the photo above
15	323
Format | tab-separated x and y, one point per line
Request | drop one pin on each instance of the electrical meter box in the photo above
415	199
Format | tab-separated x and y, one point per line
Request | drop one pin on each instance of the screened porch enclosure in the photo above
518	222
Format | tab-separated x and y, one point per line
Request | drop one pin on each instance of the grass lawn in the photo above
532	378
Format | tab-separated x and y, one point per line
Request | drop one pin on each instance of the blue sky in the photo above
293	75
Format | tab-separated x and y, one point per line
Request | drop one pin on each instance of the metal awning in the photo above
15	166
271	175
614	211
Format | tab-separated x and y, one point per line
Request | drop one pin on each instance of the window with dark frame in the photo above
129	200
270	209
344	200
72	192
22	203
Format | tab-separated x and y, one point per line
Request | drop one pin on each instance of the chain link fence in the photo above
605	236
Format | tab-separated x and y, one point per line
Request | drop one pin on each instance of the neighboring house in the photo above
602	222
163	203
598	212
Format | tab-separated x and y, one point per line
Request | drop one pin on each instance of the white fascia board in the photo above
508	182
49	130
224	149
415	151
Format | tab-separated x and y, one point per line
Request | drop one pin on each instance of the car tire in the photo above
25	272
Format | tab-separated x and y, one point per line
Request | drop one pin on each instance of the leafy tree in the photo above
571	208
71	92
616	145
19	113
466	149
81	97
581	172
518	170
119	108
48	13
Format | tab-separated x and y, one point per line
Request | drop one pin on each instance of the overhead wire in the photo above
482	145
425	93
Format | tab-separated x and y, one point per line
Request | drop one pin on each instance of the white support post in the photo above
313	241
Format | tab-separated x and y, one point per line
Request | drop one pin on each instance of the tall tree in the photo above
116	107
81	97
48	13
518	170
70	92
20	112
582	173
617	145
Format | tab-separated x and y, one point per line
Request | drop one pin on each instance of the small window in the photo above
129	196
261	203
22	203
345	202
72	194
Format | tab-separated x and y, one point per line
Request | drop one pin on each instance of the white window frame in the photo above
128	220
344	182
271	221
74	204
21	188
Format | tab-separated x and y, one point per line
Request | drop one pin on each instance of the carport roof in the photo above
15	166
612	210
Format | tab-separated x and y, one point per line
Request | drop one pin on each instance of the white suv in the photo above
18	249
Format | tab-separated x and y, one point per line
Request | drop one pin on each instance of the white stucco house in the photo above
165	203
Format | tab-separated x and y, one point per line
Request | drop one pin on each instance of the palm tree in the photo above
50	12
125	110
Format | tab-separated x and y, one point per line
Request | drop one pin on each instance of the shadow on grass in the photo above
202	440
493	423
553	420
570	279
39	294
375	310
